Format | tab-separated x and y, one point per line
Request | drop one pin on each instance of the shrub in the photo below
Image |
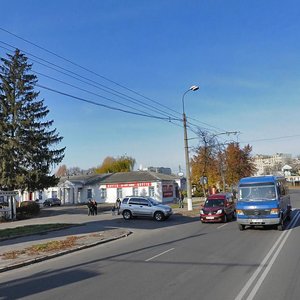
28	209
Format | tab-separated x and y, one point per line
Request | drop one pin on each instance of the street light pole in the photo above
186	148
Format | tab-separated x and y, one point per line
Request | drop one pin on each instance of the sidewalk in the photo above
88	231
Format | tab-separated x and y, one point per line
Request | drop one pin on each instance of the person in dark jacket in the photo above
90	208
118	205
95	209
181	198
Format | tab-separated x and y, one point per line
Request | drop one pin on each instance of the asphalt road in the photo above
176	259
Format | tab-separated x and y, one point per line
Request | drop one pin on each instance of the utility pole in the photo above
186	151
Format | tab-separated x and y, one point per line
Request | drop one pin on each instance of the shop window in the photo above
135	191
103	193
151	191
89	194
119	193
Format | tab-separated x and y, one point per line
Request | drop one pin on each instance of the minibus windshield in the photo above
257	192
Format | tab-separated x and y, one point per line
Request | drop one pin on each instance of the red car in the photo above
218	208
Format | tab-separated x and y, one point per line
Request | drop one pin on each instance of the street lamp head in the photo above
194	88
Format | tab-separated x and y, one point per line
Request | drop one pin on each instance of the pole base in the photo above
189	204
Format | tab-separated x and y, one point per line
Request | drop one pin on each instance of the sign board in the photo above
8	193
203	180
8	204
128	185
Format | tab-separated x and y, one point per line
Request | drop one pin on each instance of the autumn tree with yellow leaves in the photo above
220	163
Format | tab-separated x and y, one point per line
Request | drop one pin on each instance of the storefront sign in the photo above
128	185
8	193
167	190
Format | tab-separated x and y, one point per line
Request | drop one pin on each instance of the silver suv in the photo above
135	206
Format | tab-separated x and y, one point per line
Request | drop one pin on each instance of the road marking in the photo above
159	254
222	226
282	239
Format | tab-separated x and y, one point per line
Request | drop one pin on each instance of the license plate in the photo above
256	221
209	218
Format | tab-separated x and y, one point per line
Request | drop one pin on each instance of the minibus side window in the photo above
278	189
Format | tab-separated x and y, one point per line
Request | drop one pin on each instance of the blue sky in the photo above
244	55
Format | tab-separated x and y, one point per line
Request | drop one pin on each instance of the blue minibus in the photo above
264	201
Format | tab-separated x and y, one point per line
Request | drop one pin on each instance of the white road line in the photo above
266	271
159	254
222	226
282	238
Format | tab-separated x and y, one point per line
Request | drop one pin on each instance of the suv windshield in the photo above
257	192
214	203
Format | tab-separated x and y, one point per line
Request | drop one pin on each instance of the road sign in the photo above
203	180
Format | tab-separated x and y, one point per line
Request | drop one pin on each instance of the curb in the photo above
61	253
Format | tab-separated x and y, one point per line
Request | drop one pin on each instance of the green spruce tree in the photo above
28	144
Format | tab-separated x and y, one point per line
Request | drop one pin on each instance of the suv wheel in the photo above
127	215
159	216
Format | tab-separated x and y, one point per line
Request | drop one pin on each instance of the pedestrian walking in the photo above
181	198
90	208
118	205
95	209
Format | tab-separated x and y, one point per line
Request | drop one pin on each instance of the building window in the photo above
135	191
119	193
151	191
89	194
103	193
54	194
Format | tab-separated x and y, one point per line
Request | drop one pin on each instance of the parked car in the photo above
52	202
218	208
135	206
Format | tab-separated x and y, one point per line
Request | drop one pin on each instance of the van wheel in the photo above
158	216
241	227
280	227
127	215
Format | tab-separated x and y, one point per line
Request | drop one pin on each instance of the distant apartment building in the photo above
161	170
271	164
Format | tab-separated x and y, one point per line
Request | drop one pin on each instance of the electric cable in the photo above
97	74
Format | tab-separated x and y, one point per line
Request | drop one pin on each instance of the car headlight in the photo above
239	212
219	211
274	211
201	212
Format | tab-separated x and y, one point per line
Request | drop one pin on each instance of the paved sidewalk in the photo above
88	231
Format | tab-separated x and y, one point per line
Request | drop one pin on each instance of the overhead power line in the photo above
86	69
103	77
272	139
102	105
170	119
98	85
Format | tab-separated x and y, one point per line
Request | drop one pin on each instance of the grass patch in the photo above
60	245
32	229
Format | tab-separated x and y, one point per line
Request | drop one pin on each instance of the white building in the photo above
267	164
106	188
